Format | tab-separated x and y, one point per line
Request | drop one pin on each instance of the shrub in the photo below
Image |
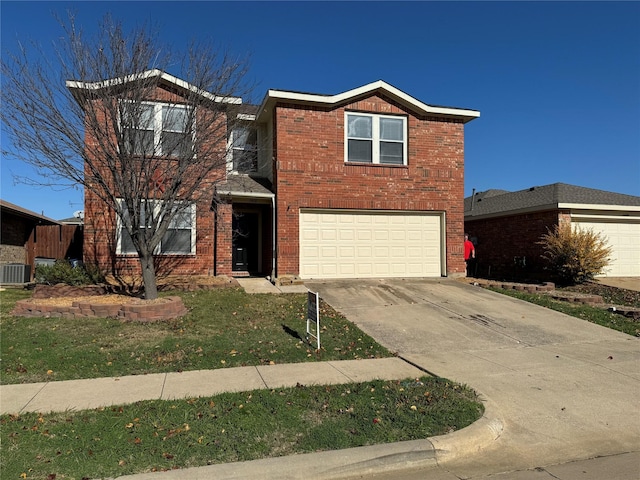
575	255
64	272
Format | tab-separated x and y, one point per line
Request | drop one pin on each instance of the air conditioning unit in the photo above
15	273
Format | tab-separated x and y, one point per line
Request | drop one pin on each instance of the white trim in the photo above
158	251
584	206
274	96
158	124
375	138
246	194
595	217
74	84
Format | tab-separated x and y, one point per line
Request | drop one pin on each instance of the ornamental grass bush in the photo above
575	255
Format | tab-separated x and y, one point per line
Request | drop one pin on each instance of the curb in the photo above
472	439
425	454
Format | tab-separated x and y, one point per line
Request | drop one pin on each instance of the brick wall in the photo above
311	173
101	236
503	242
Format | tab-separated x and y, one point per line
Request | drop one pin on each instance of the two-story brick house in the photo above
365	183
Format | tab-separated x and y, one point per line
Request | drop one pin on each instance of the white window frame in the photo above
375	138
233	146
191	209
158	125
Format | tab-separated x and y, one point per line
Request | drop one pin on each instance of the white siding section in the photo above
354	244
624	238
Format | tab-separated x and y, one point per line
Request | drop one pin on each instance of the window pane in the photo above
391	152
176	241
146	117
359	126
176	144
245	161
391	129
360	151
174	118
143	142
240	136
181	219
126	243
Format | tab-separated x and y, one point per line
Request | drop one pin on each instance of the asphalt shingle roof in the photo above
547	196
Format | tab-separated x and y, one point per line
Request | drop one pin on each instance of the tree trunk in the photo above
149	277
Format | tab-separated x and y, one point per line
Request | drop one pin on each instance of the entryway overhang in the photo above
245	189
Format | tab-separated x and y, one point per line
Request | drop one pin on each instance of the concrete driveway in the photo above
563	388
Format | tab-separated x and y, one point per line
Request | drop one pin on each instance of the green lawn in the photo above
596	315
162	435
224	328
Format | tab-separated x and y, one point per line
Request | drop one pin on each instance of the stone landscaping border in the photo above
165	308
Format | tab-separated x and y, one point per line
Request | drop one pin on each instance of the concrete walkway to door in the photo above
564	388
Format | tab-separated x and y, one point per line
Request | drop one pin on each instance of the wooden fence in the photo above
54	242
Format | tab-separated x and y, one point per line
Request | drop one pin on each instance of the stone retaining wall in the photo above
137	311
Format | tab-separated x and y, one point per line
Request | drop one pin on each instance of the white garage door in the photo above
624	238
356	244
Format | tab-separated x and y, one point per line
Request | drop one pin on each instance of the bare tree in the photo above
86	119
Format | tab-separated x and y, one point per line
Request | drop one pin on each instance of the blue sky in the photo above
557	84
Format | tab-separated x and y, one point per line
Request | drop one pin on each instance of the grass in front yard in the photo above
163	435
596	315
224	328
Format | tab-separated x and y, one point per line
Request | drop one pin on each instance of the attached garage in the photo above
508	227
366	244
623	236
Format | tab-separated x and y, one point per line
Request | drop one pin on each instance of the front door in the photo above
246	241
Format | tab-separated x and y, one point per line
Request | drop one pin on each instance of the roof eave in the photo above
74	85
274	96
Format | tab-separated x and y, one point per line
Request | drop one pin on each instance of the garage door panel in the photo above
622	237
365	244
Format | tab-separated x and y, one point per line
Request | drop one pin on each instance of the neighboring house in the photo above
507	227
27	236
366	183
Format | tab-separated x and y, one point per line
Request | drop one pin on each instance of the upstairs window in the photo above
244	150
376	139
157	129
179	238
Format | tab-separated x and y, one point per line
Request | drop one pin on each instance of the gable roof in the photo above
9	207
318	100
161	76
496	203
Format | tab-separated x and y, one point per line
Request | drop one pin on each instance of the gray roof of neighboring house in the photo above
496	202
23	212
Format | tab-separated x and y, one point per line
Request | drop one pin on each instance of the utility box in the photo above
15	273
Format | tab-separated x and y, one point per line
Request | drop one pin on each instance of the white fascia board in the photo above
603	208
245	194
273	96
595	217
72	84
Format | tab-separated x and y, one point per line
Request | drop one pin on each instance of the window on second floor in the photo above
376	139
244	151
179	238
157	129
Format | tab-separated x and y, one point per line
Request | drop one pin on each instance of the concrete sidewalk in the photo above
101	392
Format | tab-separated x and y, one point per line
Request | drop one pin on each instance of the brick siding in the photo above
311	173
503	242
